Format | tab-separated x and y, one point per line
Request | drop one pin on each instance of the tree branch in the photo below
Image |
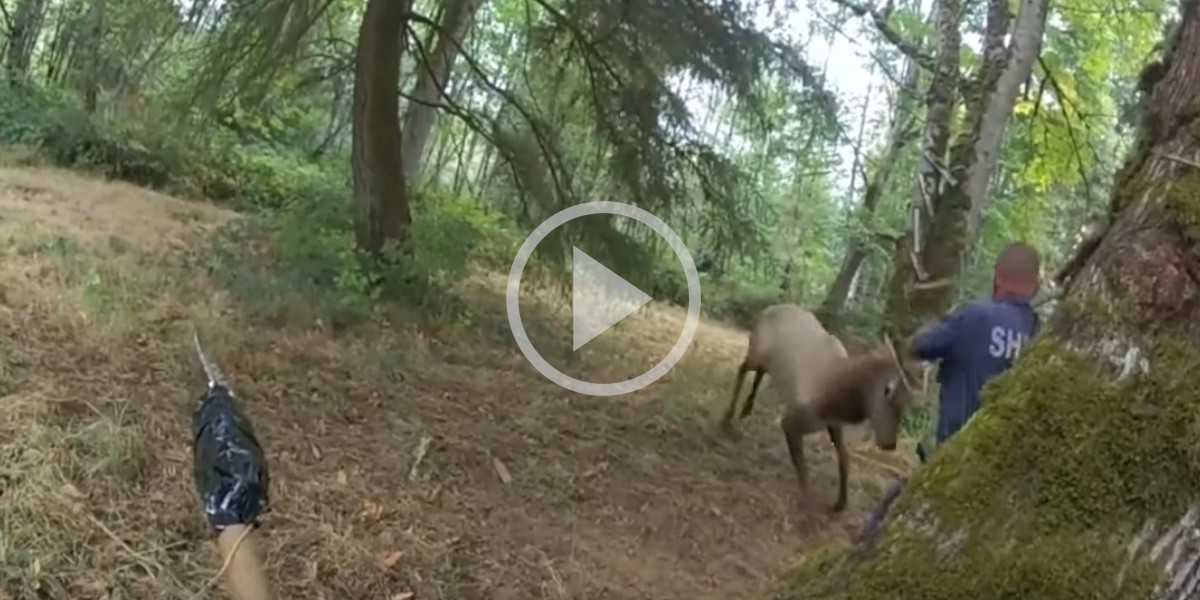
506	95
8	23
879	19
1066	102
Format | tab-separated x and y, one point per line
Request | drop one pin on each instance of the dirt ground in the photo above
525	490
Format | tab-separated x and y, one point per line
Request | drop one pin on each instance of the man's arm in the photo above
934	342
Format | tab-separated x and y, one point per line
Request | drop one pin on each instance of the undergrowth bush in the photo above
447	235
299	265
162	155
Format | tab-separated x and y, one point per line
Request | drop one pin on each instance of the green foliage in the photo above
213	164
263	177
48	119
290	277
297	265
26	113
451	233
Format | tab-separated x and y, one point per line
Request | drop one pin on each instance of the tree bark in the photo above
950	204
379	187
433	77
1079	476
899	134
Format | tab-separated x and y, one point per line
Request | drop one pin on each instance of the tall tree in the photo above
379	188
432	79
1078	478
953	184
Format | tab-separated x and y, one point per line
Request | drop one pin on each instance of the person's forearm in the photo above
246	576
933	341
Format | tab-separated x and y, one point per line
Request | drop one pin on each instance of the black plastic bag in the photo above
229	466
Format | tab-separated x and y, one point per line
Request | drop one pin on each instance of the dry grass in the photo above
627	497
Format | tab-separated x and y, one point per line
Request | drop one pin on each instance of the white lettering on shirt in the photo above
1005	343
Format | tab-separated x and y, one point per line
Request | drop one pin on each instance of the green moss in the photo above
1042	490
813	574
1097	313
1183	198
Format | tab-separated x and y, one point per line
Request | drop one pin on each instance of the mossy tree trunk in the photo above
1080	477
940	102
951	198
375	156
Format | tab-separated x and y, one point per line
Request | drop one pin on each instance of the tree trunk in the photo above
26	28
91	91
899	135
432	79
66	23
1079	478
950	208
379	189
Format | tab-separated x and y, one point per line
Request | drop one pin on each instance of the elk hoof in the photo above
838	506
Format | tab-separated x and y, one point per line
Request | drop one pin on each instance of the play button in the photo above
601	299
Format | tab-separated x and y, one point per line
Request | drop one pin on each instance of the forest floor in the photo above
525	490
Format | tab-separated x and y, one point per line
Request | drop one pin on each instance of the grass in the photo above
622	497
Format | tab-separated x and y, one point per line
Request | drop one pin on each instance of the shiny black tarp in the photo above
229	467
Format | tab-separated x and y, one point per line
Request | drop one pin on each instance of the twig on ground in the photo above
145	561
418	456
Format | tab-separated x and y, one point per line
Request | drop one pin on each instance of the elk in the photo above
821	387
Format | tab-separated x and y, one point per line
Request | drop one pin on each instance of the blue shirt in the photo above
974	344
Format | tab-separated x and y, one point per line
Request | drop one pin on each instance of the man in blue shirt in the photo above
973	345
982	339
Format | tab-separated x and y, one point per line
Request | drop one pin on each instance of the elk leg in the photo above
727	420
794	425
758	375
843	456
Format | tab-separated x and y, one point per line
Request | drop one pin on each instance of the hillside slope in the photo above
630	497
